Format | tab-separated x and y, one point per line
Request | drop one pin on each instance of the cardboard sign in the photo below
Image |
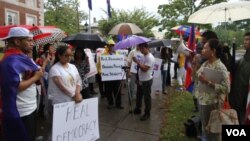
92	65
111	66
76	122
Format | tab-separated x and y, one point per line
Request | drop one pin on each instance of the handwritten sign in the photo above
111	66
123	52
76	122
93	70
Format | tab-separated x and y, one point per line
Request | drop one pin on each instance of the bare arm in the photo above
58	81
143	67
78	96
27	83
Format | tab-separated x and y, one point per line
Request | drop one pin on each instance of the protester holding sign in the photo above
64	81
145	81
112	87
132	85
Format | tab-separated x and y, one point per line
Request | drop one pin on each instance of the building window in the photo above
31	19
31	3
11	17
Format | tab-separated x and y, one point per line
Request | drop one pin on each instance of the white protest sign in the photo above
124	53
93	70
76	122
111	66
133	67
157	68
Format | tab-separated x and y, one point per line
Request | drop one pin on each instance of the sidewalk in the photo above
119	125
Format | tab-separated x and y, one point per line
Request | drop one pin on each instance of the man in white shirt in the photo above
133	71
145	80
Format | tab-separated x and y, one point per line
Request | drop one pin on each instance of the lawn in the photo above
180	108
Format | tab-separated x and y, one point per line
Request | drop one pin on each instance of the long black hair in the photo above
81	50
215	44
59	52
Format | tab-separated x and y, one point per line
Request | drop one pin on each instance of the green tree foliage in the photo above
63	14
235	30
176	12
145	20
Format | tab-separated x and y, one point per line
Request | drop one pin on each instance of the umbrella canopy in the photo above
131	41
185	30
160	43
42	39
222	12
85	40
36	30
42	34
125	28
4	30
182	29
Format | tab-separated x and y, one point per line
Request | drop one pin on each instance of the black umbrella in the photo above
85	40
160	43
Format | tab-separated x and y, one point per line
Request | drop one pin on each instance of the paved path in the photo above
119	125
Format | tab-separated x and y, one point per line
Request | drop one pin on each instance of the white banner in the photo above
76	122
125	54
93	70
157	68
111	66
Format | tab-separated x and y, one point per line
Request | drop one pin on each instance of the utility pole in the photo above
77	16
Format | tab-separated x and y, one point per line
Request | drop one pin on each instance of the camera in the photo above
125	67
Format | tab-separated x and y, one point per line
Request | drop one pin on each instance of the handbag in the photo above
219	117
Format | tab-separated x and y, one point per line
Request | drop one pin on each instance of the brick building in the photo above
21	12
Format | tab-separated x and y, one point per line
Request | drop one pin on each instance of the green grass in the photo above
180	108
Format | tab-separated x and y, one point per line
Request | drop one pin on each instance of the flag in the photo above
90	4
109	8
189	84
14	63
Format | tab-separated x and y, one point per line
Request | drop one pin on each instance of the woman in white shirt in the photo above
64	78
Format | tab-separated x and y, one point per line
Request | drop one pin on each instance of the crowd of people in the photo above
61	74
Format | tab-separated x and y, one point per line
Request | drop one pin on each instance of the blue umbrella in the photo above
131	41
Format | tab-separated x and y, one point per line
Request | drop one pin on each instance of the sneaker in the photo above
137	111
179	89
39	138
145	117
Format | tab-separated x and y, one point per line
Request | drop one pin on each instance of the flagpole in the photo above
89	30
77	15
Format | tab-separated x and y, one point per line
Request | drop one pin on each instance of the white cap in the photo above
18	32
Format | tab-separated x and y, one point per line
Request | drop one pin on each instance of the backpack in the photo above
193	126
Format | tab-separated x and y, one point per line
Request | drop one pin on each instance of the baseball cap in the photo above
110	42
18	32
